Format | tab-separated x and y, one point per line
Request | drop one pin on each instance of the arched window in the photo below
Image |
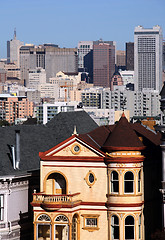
61	218
140	220
44	227
61	227
114	227
114	182
129	228
55	184
75	227
128	182
139	181
44	218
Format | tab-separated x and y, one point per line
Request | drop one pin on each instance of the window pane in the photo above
129	182
44	232
128	187
129	176
139	181
129	220
91	222
129	227
139	226
129	232
74	228
114	175
115	227
91	178
114	182
1	207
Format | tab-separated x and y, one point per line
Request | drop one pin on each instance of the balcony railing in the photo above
55	200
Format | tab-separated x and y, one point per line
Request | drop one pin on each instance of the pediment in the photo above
72	147
76	149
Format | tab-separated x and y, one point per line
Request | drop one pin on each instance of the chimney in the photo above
13	155
17	138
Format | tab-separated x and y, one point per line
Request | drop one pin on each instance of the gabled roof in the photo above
122	135
64	123
97	137
39	138
152	136
51	153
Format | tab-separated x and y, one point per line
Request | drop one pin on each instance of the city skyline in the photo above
66	23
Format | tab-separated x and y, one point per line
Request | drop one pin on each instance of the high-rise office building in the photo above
130	56
49	57
120	58
26	62
103	64
163	55
84	47
148	58
13	50
60	59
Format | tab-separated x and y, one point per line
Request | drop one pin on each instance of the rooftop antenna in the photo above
14	33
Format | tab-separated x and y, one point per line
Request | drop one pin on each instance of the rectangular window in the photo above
91	222
1	207
43	232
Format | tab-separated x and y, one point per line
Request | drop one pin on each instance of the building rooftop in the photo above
39	138
122	136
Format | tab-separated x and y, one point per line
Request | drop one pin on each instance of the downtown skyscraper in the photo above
148	58
103	63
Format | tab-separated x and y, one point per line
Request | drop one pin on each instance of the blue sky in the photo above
65	22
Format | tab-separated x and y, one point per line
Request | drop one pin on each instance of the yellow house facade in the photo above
91	187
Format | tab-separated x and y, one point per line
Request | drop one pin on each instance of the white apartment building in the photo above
49	90
101	116
139	103
127	77
47	111
148	58
65	82
37	77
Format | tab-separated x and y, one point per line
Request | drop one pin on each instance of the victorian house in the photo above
19	168
92	185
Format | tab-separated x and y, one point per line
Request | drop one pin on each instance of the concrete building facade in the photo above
49	57
47	111
12	107
60	59
148	58
103	64
84	47
127	77
116	81
145	103
120	58
13	47
36	78
130	56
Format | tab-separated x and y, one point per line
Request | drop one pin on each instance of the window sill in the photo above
91	229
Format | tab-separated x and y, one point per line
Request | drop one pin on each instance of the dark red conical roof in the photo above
123	137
